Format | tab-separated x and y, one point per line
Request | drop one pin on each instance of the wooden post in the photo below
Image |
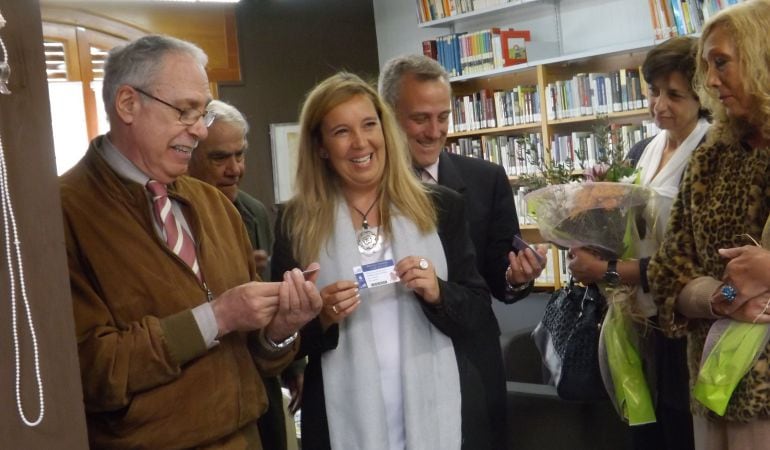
25	126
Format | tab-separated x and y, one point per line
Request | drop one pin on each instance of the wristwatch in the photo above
611	276
276	346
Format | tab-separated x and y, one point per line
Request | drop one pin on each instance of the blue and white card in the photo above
378	273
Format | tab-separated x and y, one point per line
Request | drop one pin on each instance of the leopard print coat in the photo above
725	193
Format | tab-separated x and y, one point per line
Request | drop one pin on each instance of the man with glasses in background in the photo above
174	336
220	160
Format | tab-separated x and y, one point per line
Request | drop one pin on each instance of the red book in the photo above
429	49
514	47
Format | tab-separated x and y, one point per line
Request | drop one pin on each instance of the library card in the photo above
376	274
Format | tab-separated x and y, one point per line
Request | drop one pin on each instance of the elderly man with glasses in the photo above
174	333
220	161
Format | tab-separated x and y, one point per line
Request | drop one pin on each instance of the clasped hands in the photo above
748	272
280	308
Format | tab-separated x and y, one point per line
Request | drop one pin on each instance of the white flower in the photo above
629	179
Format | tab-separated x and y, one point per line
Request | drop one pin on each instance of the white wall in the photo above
585	24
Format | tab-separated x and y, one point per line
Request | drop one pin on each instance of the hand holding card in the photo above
311	272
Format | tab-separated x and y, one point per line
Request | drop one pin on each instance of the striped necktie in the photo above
177	239
424	176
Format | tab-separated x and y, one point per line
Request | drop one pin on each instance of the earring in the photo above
324	154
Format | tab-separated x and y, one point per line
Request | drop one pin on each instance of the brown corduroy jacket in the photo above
148	379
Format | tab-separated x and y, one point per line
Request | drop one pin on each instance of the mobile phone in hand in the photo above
521	245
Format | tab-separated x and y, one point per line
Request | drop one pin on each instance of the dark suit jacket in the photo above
465	315
254	215
492	223
491	213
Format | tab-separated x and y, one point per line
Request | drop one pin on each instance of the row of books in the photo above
500	108
595	93
478	51
520	154
428	10
683	17
583	149
517	154
583	95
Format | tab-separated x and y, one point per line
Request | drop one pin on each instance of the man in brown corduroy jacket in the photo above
172	352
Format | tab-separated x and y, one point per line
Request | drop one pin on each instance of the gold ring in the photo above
424	264
334	308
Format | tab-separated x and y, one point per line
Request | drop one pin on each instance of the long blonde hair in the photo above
310	214
747	24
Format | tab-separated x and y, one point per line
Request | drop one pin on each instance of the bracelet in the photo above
515	289
511	288
275	346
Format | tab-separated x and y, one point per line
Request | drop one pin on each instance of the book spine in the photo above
654	19
624	89
676	6
429	49
617	100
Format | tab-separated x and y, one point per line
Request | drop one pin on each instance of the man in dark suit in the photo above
418	89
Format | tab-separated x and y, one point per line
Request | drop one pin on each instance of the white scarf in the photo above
666	184
430	377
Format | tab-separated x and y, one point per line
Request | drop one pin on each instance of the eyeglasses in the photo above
188	116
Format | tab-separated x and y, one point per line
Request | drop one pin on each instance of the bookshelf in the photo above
683	17
571	41
551	126
535	80
459	13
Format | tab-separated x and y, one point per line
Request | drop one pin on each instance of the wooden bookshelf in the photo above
530	233
497	130
604	60
544	69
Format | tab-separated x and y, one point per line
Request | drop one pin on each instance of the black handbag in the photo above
568	340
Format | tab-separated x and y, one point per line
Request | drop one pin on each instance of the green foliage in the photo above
610	164
548	172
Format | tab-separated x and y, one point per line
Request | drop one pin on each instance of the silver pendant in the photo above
369	242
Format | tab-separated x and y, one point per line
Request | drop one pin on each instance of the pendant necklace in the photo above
369	241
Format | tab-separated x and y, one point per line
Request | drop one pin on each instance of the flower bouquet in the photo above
610	218
604	216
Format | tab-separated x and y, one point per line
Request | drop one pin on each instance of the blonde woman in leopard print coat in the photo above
725	197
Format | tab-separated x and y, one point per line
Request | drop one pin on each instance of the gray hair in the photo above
228	114
137	63
420	66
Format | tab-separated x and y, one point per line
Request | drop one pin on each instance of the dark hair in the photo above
677	54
